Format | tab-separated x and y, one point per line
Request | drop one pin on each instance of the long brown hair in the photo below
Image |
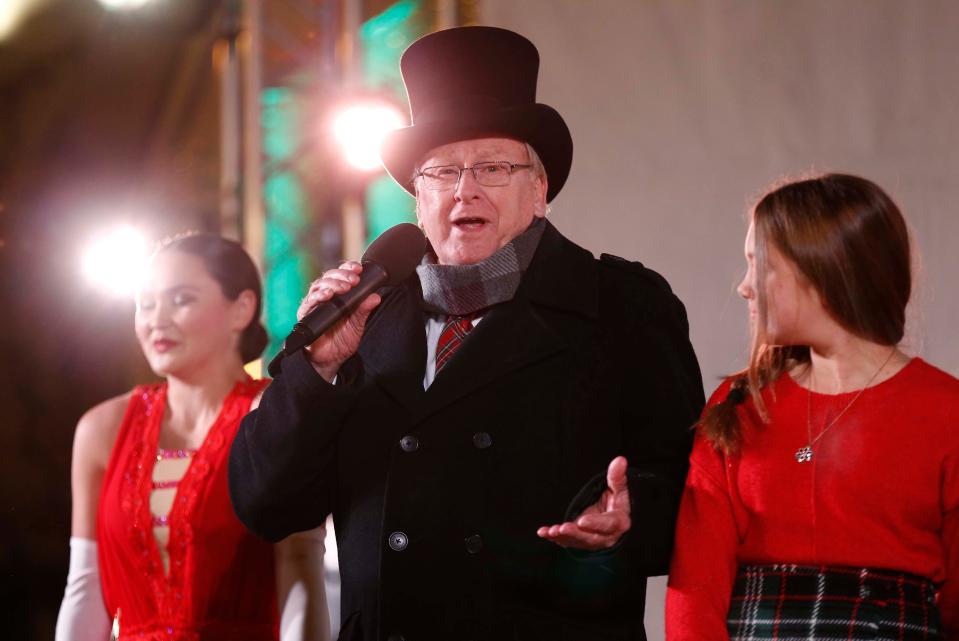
848	240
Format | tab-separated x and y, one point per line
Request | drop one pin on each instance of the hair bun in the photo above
253	341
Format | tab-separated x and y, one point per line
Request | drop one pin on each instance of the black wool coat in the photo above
436	495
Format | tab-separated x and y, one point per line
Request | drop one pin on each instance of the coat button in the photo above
409	443
474	543
482	440
398	541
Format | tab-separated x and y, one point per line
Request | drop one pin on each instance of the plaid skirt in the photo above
793	602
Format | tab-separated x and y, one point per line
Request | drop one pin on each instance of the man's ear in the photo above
540	188
416	208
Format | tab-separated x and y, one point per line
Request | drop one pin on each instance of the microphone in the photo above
389	260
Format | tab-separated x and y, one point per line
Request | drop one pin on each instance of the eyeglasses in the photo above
488	174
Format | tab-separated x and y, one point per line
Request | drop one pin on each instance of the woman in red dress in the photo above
822	500
153	526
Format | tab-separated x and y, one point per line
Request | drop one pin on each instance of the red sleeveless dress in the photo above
220	584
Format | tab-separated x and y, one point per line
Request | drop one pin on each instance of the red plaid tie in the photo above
454	332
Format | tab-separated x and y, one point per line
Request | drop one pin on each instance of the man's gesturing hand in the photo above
603	523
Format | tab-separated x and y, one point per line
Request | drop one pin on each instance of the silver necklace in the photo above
804	453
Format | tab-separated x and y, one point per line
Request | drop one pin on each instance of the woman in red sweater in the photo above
822	500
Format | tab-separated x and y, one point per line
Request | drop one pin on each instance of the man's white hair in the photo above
537	170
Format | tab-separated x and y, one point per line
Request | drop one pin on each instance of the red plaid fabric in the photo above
454	332
794	602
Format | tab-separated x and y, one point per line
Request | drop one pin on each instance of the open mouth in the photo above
469	223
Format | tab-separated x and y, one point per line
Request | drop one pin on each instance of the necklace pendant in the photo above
804	454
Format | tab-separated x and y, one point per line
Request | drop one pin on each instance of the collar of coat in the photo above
561	277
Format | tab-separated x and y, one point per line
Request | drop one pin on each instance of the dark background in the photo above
106	118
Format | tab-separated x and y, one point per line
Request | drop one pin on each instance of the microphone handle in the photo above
325	315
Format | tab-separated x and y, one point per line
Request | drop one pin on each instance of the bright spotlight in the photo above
360	128
115	261
120	5
13	12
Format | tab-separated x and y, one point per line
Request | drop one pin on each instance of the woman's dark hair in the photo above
849	241
229	265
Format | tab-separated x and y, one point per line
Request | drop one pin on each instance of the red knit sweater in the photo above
882	491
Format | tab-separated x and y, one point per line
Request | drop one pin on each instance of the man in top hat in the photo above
502	439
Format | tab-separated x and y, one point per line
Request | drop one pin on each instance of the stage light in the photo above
361	127
114	262
13	12
120	5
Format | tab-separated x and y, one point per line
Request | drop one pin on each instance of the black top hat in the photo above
474	82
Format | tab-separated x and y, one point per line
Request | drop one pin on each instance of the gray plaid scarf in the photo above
458	290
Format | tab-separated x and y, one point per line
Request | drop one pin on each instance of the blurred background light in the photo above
360	128
119	5
114	261
12	13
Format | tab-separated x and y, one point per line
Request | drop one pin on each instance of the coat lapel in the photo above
510	336
562	277
394	350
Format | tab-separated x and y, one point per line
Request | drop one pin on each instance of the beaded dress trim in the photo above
162	520
168	587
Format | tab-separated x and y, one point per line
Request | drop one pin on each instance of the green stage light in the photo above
285	263
384	38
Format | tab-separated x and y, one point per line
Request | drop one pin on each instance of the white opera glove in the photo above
301	591
83	616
